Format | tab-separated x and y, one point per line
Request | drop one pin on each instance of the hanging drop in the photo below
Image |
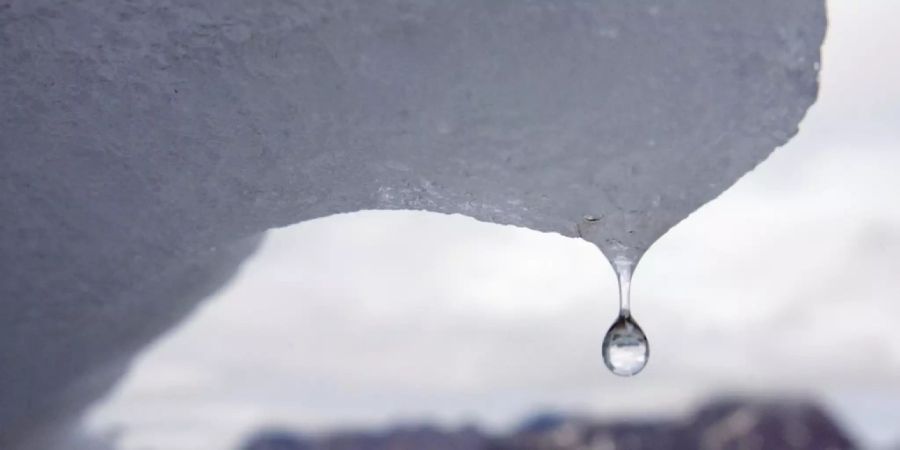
625	347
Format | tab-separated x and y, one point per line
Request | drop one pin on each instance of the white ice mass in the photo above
146	144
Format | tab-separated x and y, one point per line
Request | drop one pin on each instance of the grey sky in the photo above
787	282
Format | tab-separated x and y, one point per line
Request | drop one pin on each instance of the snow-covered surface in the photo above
144	144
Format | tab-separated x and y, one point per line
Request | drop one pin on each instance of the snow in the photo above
145	145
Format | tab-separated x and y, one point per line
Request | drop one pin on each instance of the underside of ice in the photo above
145	144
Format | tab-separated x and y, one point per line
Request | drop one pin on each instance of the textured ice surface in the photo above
142	142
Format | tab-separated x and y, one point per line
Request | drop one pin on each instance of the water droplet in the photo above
625	348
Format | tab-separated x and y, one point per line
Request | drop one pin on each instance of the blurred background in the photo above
772	315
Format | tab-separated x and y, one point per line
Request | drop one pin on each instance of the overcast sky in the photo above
787	282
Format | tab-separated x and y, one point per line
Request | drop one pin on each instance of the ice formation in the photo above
145	144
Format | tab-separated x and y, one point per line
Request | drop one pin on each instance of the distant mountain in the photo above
424	437
727	424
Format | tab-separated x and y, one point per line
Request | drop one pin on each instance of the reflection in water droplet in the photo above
625	348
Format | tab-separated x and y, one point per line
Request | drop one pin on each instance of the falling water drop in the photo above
625	347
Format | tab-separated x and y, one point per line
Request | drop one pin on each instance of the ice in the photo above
145	144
